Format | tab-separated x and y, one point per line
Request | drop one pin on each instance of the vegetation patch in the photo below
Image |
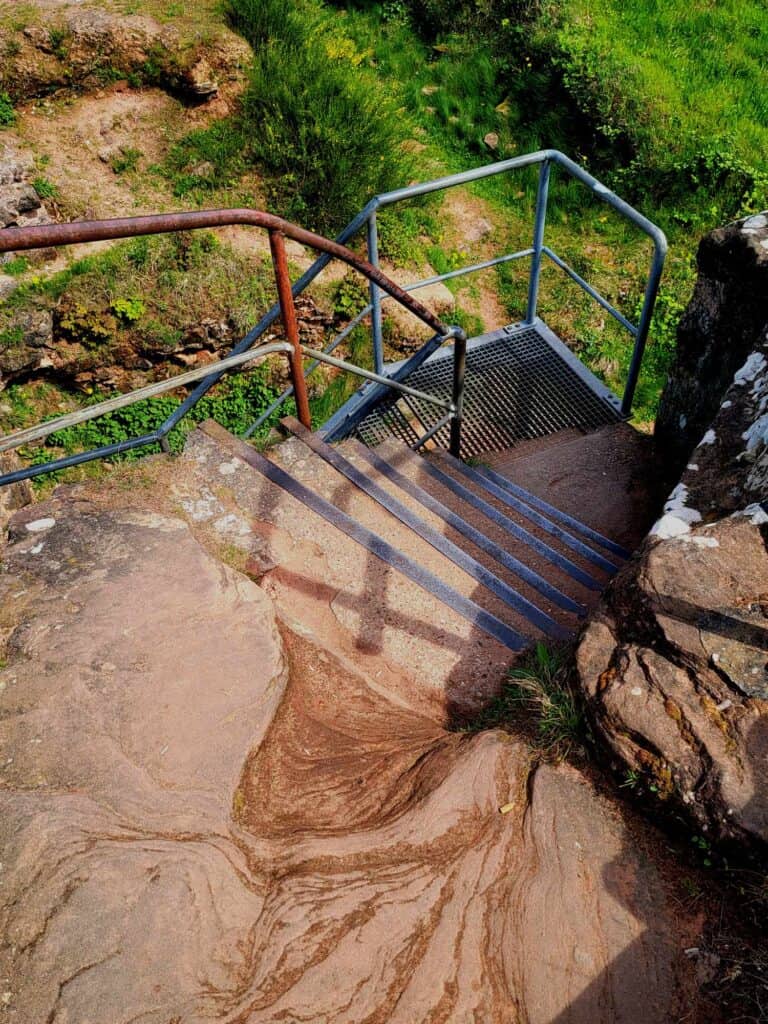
539	698
312	119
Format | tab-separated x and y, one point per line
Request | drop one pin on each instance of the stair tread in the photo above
412	466
311	470
406	463
615	466
599	576
386	613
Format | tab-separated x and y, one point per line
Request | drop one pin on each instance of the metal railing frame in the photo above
546	158
76	232
12	239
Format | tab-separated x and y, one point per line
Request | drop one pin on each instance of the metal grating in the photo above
521	383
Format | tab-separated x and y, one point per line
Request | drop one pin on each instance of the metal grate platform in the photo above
522	382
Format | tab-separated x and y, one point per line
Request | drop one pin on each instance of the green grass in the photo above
234	403
538	696
676	92
693	69
313	122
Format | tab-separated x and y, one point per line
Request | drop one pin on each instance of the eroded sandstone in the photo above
675	663
210	815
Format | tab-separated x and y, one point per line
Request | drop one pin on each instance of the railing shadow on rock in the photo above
77	232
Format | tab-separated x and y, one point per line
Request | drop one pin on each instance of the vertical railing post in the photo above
290	324
538	241
377	333
459	369
643	327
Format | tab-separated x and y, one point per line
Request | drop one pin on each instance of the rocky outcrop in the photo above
675	664
20	205
85	48
722	325
86	346
208	814
13	496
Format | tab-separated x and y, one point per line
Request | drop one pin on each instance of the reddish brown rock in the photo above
674	667
203	821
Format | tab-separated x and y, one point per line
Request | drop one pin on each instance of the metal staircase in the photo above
521	382
504	559
509	563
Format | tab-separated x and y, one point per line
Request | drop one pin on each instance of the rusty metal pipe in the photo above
288	314
44	236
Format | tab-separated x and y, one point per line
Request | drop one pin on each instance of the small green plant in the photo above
129	310
125	161
632	779
45	188
540	690
58	38
350	297
18	265
11	336
704	849
7	113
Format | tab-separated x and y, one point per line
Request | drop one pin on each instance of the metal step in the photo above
553	513
521	383
437	540
524	508
466	529
545	550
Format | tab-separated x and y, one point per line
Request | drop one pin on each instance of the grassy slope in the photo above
698	66
450	96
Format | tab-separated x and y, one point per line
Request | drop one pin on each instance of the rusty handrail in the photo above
43	236
17	239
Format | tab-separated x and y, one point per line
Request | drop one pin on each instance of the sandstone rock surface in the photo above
210	815
675	663
71	46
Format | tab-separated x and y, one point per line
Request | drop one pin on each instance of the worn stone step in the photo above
414	467
311	470
314	572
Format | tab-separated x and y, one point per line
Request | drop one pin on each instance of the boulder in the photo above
25	343
20	205
210	814
90	42
674	666
722	325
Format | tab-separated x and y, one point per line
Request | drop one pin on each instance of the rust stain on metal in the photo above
288	313
43	236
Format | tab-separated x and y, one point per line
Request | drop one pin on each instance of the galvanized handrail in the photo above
48	235
8	442
545	157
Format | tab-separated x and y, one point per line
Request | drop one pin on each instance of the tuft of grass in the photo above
539	694
126	161
16	266
313	121
45	188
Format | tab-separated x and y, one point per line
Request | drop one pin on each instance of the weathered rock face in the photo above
675	670
14	496
205	821
83	48
20	205
723	324
675	663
